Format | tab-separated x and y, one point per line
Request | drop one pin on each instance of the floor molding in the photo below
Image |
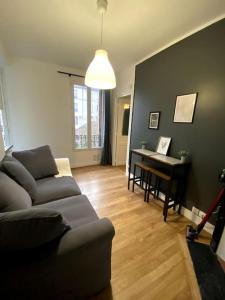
196	219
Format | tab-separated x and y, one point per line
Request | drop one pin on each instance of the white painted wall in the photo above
40	107
124	87
3	56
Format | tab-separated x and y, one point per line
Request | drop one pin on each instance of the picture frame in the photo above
154	117
185	108
163	145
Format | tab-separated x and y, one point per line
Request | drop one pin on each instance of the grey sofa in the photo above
74	265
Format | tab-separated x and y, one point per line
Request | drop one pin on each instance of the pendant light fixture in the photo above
100	73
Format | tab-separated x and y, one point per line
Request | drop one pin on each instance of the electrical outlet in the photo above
201	214
195	211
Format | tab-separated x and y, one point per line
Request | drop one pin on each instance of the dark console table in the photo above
174	168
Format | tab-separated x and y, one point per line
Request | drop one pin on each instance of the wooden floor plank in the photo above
150	258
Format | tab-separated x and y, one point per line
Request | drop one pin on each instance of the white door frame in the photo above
115	125
120	102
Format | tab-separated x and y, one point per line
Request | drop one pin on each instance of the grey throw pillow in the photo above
39	161
12	195
30	228
20	174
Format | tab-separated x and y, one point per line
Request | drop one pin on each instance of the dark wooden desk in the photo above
176	169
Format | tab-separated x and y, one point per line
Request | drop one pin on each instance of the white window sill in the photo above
87	149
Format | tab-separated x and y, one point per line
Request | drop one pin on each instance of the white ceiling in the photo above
67	32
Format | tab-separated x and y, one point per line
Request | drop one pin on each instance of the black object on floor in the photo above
209	273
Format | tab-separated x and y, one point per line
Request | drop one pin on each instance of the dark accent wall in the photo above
195	64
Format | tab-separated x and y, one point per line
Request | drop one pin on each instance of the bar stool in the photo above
169	199
150	180
144	179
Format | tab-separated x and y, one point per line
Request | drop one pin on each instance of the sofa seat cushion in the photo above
52	188
39	161
77	210
12	195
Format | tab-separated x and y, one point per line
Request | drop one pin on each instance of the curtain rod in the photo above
70	74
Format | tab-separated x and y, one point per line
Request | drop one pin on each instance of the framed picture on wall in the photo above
184	109
163	145
154	117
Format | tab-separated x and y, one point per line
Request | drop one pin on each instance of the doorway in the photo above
122	132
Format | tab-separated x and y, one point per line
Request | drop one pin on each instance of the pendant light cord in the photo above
101	39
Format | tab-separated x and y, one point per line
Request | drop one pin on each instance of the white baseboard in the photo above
196	219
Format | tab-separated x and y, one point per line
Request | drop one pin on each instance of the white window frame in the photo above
6	140
80	81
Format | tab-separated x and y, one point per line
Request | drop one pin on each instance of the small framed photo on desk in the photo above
163	145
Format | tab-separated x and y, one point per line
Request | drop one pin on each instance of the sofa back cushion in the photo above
20	174
30	228
12	195
39	161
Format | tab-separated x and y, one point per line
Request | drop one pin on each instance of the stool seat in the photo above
160	174
142	166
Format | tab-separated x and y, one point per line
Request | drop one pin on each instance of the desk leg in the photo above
167	200
182	185
167	196
182	191
129	168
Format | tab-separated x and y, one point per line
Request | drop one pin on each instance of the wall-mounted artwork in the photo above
163	145
185	107
154	120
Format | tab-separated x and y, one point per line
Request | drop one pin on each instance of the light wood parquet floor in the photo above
150	259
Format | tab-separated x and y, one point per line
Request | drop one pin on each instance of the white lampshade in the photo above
100	74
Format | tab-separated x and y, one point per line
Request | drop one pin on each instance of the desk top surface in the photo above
159	157
144	152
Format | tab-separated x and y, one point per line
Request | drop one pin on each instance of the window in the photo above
3	128
3	119
88	116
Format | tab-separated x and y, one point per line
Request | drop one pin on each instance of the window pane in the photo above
80	117
96	119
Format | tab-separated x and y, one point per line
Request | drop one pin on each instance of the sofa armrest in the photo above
63	165
85	236
83	259
75	267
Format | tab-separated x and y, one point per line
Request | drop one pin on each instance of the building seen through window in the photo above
88	116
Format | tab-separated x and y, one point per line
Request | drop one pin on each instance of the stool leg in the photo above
165	209
134	177
167	199
128	183
158	187
142	178
149	186
146	186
